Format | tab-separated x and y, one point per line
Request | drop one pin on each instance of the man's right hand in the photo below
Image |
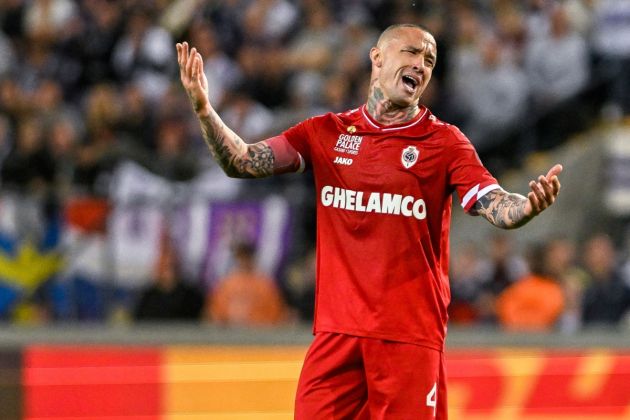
193	77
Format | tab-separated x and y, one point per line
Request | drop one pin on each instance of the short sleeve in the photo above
467	175
299	138
286	158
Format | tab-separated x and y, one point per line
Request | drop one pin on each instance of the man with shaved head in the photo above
384	175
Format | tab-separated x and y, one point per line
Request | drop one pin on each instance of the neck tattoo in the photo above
384	111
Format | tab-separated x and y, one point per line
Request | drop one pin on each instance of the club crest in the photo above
409	156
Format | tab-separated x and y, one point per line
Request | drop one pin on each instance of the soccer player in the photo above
384	174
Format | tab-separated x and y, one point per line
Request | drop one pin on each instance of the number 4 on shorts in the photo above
432	398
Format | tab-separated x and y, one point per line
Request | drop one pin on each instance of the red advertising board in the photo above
259	382
92	383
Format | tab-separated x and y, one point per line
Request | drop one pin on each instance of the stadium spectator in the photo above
336	89
536	301
14	102
563	96
28	167
143	55
40	62
94	156
504	266
12	18
136	124
106	145
64	138
221	70
47	99
174	160
5	138
611	47
169	297
267	22
92	47
312	49
358	36
246	297
7	56
607	296
247	115
300	285
47	20
468	272
498	94
561	264
557	65
464	59
511	29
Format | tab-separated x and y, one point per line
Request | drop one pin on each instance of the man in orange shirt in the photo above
246	297
535	302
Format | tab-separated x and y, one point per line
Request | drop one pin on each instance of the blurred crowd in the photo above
556	285
86	85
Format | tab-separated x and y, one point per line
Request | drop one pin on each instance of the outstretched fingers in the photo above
555	184
201	77
554	171
552	178
544	190
534	204
183	61
547	189
190	62
182	54
536	197
198	67
193	66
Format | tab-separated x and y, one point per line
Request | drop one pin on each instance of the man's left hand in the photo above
544	192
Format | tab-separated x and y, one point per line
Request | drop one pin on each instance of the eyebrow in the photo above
420	50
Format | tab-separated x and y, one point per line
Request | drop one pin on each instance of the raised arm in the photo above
509	211
237	158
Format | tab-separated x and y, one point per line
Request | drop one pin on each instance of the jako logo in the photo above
342	161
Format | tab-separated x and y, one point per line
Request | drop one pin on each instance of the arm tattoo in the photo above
502	209
237	158
259	160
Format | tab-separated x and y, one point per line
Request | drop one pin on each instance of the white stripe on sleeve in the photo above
475	193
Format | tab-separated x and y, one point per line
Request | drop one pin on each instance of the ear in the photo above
376	57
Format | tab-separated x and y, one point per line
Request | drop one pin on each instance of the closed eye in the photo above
430	61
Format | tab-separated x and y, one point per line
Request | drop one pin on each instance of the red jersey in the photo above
383	219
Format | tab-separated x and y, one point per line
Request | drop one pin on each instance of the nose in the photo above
419	67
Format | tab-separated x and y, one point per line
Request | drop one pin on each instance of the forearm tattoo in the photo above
502	209
236	158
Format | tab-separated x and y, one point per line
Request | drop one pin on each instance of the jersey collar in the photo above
423	112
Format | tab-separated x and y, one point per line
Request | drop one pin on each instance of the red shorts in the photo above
348	377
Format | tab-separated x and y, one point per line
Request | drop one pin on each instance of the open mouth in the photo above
410	82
